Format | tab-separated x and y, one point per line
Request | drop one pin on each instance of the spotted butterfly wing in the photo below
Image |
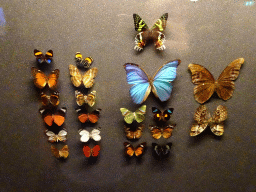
131	151
92	117
142	84
41	80
206	85
50	116
41	58
136	134
162	116
138	115
53	99
94	152
61	136
62	153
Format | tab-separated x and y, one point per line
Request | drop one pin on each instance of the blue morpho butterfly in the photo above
160	84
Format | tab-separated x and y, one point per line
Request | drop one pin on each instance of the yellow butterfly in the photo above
87	79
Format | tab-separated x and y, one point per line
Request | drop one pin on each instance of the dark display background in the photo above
210	33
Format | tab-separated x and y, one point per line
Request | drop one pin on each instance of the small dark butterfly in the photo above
50	115
52	99
145	34
92	117
161	150
133	134
41	58
130	151
162	116
86	63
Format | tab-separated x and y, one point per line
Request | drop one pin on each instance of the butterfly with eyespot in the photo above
81	99
41	80
133	134
92	117
162	116
206	85
86	135
62	153
52	99
145	34
61	136
138	115
41	58
86	63
87	79
130	151
165	132
50	115
162	150
203	119
160	84
91	152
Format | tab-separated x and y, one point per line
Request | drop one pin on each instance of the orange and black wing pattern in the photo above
92	117
130	151
52	99
165	132
162	116
50	116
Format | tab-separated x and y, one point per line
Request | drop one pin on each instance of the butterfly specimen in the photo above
133	134
86	135
94	152
56	116
165	132
40	57
41	80
206	85
92	117
162	150
86	63
145	34
138	115
162	116
63	153
160	84
87	79
130	150
203	119
53	99
81	99
61	136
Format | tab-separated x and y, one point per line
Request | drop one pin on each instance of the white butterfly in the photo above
86	135
61	136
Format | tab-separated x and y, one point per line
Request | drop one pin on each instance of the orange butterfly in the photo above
53	99
94	152
130	150
50	116
41	80
133	134
206	85
92	117
63	153
157	132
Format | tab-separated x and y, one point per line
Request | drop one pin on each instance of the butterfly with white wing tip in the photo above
86	135
145	34
160	84
203	119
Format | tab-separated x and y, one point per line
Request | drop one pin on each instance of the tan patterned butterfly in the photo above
81	99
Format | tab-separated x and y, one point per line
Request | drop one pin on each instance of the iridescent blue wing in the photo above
139	79
162	86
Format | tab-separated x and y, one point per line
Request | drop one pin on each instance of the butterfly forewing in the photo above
88	77
167	131
76	77
139	24
160	24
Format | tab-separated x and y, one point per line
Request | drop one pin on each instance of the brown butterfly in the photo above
81	99
206	85
92	117
157	132
50	116
87	79
63	153
130	150
133	134
53	99
41	80
203	119
162	116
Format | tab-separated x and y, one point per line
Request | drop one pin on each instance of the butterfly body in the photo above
61	136
133	134
137	151
160	84
162	116
81	99
138	115
92	117
206	85
41	80
62	153
41	58
50	116
86	135
204	119
145	34
91	152
165	132
162	150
